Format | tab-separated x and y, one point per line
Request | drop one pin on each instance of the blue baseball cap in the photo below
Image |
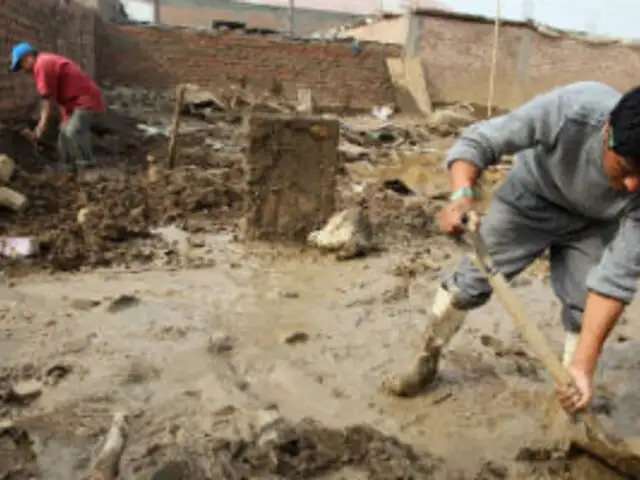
18	53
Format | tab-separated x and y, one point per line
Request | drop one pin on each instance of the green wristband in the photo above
466	192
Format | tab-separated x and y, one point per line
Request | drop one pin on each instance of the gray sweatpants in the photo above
517	229
74	140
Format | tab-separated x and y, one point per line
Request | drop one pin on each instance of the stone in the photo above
349	233
123	302
220	342
294	337
25	391
7	167
291	176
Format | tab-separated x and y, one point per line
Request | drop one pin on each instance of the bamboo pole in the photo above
176	124
494	59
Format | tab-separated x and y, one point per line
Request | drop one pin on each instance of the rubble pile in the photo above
296	451
105	217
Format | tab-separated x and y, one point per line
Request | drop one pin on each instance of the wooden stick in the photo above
494	59
106	465
180	90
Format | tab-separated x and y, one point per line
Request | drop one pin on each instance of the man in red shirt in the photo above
62	83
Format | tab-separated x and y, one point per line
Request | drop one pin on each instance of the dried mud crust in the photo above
291	179
301	451
121	209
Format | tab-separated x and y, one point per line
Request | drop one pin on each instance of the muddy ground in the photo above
196	334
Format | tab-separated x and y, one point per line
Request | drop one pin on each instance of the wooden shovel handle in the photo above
531	333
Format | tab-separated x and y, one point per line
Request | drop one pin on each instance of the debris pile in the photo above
106	217
297	451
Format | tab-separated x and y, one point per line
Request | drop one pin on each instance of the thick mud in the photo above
193	355
120	205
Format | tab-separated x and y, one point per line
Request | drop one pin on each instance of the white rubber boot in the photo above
444	322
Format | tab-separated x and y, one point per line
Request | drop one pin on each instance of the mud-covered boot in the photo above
602	401
444	322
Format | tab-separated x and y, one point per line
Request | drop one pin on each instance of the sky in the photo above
617	18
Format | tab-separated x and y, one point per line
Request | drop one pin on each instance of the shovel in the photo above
621	455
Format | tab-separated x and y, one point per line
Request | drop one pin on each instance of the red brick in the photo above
457	55
161	58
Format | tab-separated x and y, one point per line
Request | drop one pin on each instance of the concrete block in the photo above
291	176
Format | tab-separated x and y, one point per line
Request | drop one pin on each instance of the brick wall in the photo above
162	57
50	26
254	15
457	58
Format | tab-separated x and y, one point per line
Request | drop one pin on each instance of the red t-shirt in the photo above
63	80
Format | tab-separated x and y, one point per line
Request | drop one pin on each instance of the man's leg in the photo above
78	137
515	237
571	262
65	157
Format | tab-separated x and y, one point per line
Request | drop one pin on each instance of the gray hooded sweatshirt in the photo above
558	139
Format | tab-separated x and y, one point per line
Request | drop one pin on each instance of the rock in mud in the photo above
7	167
349	233
220	342
123	302
25	392
295	337
84	304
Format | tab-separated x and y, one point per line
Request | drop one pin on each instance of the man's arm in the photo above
612	285
46	77
537	122
46	110
600	316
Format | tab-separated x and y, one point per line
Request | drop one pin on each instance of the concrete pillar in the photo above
156	12
414	34
291	168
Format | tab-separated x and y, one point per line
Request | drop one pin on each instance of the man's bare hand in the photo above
578	396
29	135
451	218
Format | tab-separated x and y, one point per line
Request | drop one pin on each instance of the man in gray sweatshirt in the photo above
575	176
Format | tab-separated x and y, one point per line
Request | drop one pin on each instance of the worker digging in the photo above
572	191
62	83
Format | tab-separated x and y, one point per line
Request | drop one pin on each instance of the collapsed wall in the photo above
291	176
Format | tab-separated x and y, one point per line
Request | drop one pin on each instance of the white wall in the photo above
139	10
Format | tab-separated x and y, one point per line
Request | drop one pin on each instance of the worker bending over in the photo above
575	176
62	83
